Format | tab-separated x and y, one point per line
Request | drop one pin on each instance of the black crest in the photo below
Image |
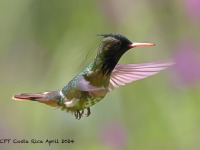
120	37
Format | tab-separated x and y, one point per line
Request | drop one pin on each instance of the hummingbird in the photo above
101	76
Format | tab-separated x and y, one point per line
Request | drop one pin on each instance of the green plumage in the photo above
92	84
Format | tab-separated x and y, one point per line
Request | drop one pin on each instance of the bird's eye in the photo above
116	43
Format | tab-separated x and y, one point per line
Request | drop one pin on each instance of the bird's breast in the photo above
92	101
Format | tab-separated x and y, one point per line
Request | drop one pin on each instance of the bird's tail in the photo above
49	98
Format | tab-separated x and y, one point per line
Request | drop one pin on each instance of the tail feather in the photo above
48	98
29	96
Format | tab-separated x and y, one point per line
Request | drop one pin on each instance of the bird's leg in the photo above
75	114
78	114
82	112
88	112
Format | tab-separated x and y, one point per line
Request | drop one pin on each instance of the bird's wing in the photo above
84	85
127	73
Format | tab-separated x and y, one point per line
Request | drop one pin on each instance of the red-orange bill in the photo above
134	44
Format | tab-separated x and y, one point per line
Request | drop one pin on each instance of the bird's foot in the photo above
88	112
79	114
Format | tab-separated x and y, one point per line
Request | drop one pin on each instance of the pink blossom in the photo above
114	135
192	8
188	63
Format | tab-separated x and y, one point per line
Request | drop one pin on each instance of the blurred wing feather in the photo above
127	73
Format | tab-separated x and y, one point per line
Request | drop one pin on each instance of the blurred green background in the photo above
42	45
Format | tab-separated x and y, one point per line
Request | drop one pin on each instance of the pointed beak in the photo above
140	44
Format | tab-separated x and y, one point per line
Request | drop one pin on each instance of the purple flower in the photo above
188	63
192	8
113	135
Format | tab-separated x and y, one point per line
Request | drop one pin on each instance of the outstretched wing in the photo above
127	73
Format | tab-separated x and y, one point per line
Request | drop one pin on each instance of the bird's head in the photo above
112	47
